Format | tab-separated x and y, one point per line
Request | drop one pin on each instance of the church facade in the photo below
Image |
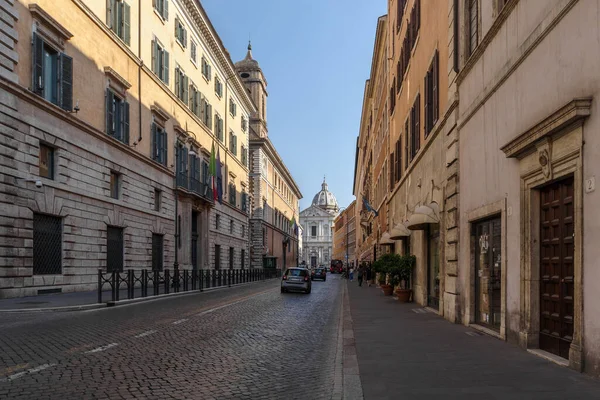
317	223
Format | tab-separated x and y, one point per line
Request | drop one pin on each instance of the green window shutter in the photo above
109	13
164	147
186	87
176	28
177	92
66	82
109	112
126	23
125	123
38	65
166	63
198	100
209	115
166	9
154	57
202	109
154	142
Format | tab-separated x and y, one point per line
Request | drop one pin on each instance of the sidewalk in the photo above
407	355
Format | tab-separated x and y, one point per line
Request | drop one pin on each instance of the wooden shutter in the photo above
198	98
393	160
154	57
166	9
126	23
203	109
418	123
209	114
125	128
178	82
186	87
110	97
418	16
38	65
164	147
399	156
434	89
66	82
155	143
427	100
166	67
109	13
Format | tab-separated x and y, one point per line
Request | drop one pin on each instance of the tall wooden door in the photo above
557	283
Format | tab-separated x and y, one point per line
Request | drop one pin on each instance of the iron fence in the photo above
133	283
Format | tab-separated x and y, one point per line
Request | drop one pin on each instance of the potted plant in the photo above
402	277
385	265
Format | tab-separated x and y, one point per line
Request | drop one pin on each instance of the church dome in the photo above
248	63
325	199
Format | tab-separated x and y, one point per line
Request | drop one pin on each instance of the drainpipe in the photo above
140	69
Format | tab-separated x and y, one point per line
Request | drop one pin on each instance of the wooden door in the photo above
557	284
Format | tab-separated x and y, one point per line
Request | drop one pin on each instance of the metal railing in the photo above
132	283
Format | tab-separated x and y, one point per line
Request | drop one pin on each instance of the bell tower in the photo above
256	85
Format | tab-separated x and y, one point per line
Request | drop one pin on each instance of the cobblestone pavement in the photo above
406	352
246	342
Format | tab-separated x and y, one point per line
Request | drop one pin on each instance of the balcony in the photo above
194	186
325	238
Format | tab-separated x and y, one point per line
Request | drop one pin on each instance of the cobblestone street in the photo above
247	342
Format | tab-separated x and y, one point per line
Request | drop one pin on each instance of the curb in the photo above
84	307
338	380
352	385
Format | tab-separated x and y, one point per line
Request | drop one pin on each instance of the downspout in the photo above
140	70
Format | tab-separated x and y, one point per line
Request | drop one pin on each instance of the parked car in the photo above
296	279
319	273
336	267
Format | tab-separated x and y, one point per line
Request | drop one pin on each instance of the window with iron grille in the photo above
118	19
180	32
231	226
114	249
231	255
117	116
47	244
415	131
162	7
182	85
160	61
217	256
157	252
432	100
159	144
46	161
52	74
115	185
473	24
157	199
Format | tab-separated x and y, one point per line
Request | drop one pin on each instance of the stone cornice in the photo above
575	110
112	74
267	146
42	16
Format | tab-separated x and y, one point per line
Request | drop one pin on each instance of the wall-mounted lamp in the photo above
76	109
38	183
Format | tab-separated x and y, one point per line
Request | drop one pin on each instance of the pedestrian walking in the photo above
368	275
351	274
360	276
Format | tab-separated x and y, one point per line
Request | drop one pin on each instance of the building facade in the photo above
108	121
343	235
317	221
274	232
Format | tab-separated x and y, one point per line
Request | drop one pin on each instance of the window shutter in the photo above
126	23
109	112
186	89
406	147
184	38
164	147
198	107
392	161
38	65
209	115
166	63
166	9
203	109
109	13
427	100
155	146
417	123
66	82
125	129
435	83
176	28
154	57
191	97
177	87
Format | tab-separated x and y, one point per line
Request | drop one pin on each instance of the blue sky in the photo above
316	56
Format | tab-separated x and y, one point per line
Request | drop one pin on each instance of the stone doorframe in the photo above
548	152
496	209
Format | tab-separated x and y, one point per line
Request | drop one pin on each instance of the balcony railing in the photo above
194	185
324	238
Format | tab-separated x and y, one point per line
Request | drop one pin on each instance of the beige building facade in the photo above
108	115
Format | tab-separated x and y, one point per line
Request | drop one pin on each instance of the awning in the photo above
423	216
386	240
400	231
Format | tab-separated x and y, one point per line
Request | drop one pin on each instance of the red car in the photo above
337	267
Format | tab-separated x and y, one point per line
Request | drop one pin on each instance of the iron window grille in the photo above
47	244
157	199
231	256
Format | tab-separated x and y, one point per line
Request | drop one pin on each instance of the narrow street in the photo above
248	342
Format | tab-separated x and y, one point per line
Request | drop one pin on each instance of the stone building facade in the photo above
274	231
317	221
107	128
344	240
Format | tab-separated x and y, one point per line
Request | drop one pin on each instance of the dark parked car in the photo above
296	279
319	273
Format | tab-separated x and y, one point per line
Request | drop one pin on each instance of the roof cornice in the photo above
267	146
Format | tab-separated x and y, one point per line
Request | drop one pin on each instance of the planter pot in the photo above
387	290
403	295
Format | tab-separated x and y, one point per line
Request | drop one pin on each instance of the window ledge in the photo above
159	16
194	62
180	44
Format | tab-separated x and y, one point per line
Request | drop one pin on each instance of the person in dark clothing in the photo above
368	275
361	272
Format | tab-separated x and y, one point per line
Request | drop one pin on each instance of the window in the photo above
206	112
232	195
392	97
159	144
182	165
393	160
231	255
415	133
398	161
194	100
157	252
217	221
217	256
243	230
415	23
244	154
193	52
231	226
473	31
115	182
206	69
313	231
219	128
432	100
47	244
114	249
180	32
162	8
233	143
244	202
160	61
157	199
118	16
232	108
52	74
244	124
218	87
243	256
182	84
399	13
117	117
46	161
